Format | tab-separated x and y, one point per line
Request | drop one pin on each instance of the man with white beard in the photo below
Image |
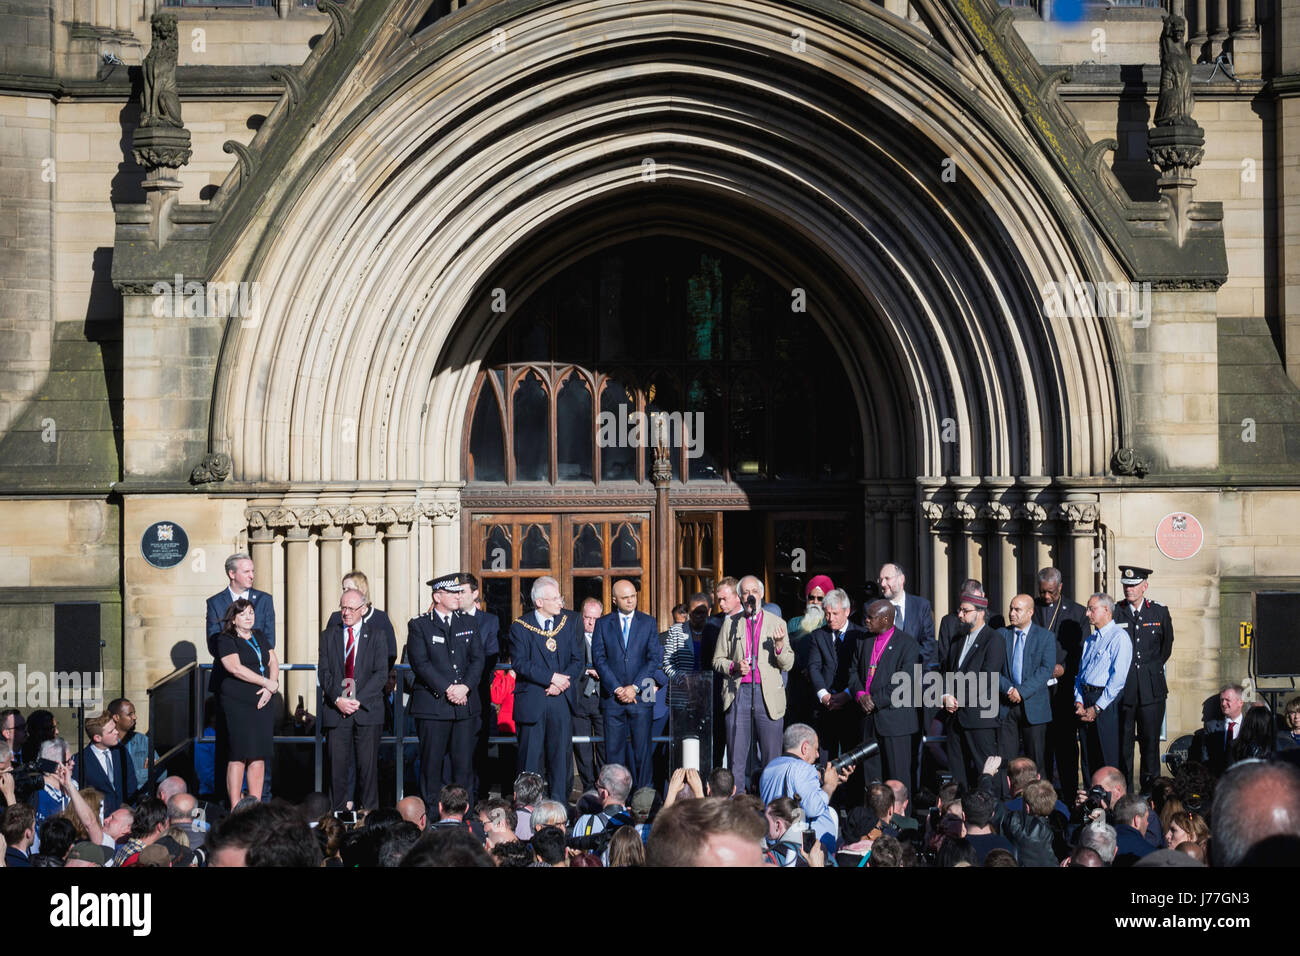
800	694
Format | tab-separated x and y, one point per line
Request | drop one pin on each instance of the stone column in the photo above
446	547
330	544
1037	530
881	514
1197	28
934	514
365	555
261	548
905	538
1002	539
1219	36
970	532
298	648
1080	518
397	571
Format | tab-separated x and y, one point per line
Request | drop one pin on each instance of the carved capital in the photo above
1030	511
961	510
1082	516
995	511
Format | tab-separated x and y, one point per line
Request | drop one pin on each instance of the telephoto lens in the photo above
862	751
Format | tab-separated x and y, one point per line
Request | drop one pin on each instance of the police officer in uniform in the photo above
1145	692
446	656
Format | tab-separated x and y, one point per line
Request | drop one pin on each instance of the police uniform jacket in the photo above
441	655
1152	634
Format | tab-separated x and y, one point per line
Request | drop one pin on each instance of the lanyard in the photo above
261	668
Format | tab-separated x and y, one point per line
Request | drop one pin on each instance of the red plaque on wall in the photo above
1179	535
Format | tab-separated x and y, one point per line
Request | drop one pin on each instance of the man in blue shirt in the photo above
1103	669
795	774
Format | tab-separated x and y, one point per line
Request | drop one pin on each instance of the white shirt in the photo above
105	760
898	603
236	595
824	695
1235	724
625	624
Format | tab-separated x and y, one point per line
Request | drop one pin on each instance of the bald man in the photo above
413	810
180	814
627	655
170	787
1026	698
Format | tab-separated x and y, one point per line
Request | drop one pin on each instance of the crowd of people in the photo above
818	753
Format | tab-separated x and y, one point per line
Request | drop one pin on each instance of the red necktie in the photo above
349	656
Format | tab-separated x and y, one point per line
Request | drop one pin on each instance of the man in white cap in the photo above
446	656
1145	691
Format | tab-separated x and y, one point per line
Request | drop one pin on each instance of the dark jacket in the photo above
1037	842
830	666
441	655
901	656
375	655
534	663
1152	634
985	660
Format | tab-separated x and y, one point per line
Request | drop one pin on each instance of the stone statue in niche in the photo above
161	102
1174	107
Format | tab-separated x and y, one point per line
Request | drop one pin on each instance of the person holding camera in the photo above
795	774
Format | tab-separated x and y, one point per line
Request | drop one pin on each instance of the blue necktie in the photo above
546	625
625	622
1019	657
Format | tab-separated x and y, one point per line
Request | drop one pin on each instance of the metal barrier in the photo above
189	684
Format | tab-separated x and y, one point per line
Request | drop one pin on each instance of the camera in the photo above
861	752
346	817
30	777
1098	799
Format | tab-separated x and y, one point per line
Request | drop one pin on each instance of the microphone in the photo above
751	605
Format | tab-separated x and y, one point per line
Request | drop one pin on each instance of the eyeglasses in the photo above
349	607
814	599
965	610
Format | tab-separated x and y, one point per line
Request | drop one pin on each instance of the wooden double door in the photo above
588	552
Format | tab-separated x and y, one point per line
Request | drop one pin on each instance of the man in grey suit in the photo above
1027	700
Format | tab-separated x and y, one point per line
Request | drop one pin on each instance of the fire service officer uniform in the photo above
444	650
1143	701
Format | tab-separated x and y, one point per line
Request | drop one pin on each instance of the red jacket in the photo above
503	698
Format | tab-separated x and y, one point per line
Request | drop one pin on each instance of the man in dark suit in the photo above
353	662
878	657
1143	704
1069	622
974	667
103	766
445	652
239	572
1030	661
546	654
912	614
1212	744
489	634
830	659
377	621
950	624
588	718
627	652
